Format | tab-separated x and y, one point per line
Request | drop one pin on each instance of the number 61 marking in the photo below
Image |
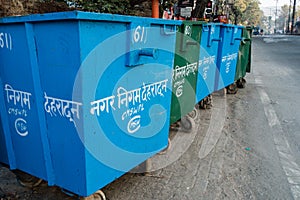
139	34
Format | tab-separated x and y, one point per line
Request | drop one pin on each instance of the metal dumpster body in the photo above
20	111
207	68
185	69
231	36
6	152
92	94
3	151
244	59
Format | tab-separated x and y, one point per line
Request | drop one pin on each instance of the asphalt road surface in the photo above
245	147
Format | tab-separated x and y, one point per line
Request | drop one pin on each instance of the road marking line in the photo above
269	111
287	160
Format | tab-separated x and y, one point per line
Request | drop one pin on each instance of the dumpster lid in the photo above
80	15
214	23
193	23
232	25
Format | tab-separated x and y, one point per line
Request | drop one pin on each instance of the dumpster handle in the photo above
210	41
149	52
205	28
244	40
183	45
166	32
228	29
134	58
233	39
190	42
213	40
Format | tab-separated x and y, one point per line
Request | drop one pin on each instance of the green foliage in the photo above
104	6
167	3
246	12
200	7
284	10
252	15
241	5
298	11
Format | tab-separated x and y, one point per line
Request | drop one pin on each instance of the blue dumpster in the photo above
231	36
87	95
6	152
207	67
3	151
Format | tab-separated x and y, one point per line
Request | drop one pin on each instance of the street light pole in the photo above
275	18
270	18
293	17
289	17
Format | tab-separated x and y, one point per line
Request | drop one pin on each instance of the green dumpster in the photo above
185	69
249	31
244	59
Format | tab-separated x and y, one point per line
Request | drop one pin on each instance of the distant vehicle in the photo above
261	32
256	30
297	27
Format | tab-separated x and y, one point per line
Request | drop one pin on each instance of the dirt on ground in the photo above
219	173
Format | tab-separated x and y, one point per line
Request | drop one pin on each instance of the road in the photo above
276	81
245	147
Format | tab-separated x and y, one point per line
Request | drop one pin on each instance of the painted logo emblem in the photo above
134	124
188	30
21	127
179	91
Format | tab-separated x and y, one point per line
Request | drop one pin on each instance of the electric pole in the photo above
289	17
293	17
275	28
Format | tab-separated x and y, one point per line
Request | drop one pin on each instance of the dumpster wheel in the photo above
241	83
27	180
232	89
99	195
193	114
206	103
202	104
187	124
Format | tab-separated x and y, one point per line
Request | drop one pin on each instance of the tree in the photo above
297	12
199	8
241	5
282	21
284	10
25	7
105	6
246	12
264	22
252	14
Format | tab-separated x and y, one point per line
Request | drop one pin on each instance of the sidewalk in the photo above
196	166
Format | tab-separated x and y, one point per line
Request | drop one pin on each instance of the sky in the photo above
269	6
271	3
